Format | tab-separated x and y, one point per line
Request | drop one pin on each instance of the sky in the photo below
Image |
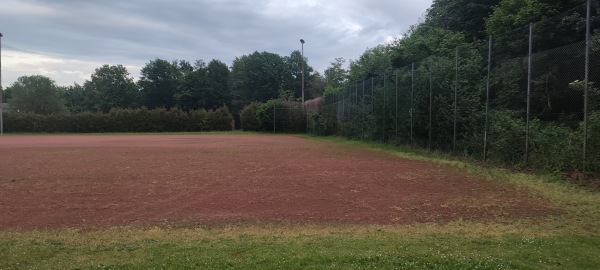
67	40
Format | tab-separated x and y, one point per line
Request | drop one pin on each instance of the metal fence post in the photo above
396	118
273	118
586	88
430	102
487	99
528	92
372	97
384	107
412	100
364	112
455	100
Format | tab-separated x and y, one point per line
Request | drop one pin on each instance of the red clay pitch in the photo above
181	180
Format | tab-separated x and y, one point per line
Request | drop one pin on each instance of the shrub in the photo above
220	119
249	117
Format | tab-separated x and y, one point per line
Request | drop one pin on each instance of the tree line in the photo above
257	77
262	76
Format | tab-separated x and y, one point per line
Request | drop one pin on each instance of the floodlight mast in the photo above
302	41
1	91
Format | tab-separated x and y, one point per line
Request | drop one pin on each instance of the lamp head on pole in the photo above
301	40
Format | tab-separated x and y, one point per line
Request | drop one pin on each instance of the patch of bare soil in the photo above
101	181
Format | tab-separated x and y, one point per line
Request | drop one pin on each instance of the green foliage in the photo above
323	123
593	144
465	16
256	77
35	94
373	62
331	93
79	99
267	115
112	88
220	119
512	14
335	74
275	115
121	120
205	86
159	81
249	117
423	41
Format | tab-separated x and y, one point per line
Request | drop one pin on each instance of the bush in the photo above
593	155
249	117
220	119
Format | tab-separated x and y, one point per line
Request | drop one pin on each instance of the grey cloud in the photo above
133	32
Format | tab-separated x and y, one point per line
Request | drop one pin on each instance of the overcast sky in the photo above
67	39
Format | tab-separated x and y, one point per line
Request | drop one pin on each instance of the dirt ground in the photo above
183	180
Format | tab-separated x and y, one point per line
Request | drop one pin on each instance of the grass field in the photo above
568	240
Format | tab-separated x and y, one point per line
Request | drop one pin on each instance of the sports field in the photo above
101	181
272	190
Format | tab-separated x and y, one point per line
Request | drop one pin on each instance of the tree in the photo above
217	79
335	74
113	88
79	99
188	96
513	14
465	16
423	41
256	77
159	81
292	80
204	86
35	94
315	86
6	95
373	62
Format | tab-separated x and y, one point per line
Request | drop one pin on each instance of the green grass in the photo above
567	241
294	248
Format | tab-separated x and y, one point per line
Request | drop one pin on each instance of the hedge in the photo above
121	120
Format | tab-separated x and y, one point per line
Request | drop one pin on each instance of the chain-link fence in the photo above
527	97
289	117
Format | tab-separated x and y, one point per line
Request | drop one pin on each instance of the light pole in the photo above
302	41
1	91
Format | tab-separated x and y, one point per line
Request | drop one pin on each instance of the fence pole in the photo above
586	88
487	98
396	119
372	98
455	100
528	92
363	91
364	112
430	102
412	100
384	107
273	118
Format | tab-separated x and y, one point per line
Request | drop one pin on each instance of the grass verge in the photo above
292	248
